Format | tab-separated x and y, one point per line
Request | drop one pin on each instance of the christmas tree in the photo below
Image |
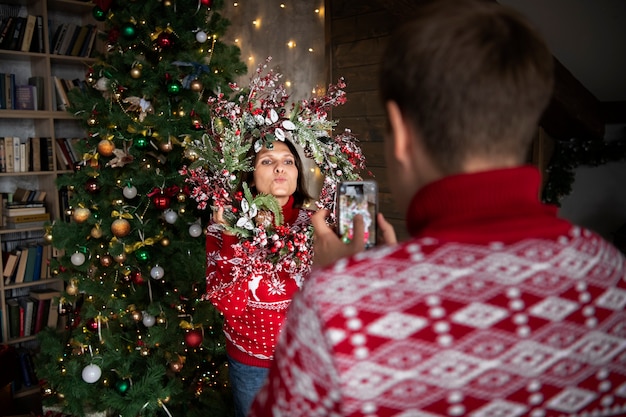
137	340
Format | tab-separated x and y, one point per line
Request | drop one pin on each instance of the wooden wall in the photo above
357	32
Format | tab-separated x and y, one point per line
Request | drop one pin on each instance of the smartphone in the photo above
357	197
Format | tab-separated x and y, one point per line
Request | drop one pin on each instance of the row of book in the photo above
27	264
28	315
24	208
74	40
15	96
22	33
26	154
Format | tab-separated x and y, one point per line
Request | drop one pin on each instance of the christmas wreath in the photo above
253	118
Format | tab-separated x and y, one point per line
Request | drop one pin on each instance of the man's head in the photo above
470	79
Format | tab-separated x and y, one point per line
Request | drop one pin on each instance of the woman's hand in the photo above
387	234
328	246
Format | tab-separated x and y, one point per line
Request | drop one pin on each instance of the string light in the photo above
291	44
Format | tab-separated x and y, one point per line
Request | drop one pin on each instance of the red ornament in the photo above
92	186
164	40
92	324
161	201
136	277
193	338
206	3
113	35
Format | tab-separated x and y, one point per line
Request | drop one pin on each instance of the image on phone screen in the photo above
357	198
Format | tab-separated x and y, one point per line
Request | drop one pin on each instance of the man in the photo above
494	307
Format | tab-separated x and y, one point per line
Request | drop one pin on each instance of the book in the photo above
90	41
62	160
17	152
36	275
26	97
20	195
9	90
3	162
8	154
21	266
15	212
7	32
29	272
28	305
45	262
27	369
17	32
66	38
10	266
24	152
3	99
35	154
41	315
37	42
58	38
29	30
13	311
80	40
27	218
53	313
46	153
63	101
38	83
73	39
69	144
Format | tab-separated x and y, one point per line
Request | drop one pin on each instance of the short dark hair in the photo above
472	77
301	195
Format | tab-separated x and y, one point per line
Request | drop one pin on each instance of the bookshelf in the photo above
38	64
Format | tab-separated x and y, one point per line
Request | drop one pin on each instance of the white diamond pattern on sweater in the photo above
520	333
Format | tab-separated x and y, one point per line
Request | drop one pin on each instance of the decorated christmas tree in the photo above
137	339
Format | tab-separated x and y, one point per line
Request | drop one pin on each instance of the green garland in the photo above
569	154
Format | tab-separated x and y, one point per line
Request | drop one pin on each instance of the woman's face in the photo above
275	172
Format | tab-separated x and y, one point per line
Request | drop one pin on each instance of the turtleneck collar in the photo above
473	198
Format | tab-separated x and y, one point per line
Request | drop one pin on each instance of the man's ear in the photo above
400	134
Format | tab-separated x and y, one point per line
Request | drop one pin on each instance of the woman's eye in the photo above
266	162
289	162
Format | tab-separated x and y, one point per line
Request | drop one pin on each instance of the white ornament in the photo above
170	216
91	373
157	272
201	36
195	230
148	319
77	258
130	192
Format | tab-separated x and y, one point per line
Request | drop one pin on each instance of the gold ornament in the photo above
144	351
106	260
196	86
166	146
165	242
120	259
81	214
161	320
176	366
96	232
135	72
92	121
120	227
181	197
136	315
48	237
72	288
191	154
106	147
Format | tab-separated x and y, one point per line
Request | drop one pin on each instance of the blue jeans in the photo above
245	382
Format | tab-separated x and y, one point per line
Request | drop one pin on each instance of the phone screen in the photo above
357	197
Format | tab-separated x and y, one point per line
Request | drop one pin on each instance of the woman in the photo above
254	308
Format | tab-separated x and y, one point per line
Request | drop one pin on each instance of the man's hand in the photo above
327	246
387	235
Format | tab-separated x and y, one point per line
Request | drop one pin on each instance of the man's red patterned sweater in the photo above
494	308
254	306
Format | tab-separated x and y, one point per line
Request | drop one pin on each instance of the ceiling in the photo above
588	37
